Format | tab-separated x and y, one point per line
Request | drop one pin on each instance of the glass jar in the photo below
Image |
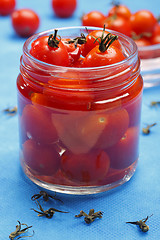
79	127
150	65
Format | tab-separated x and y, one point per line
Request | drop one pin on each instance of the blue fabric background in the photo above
132	201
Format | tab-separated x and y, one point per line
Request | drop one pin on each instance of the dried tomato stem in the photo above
78	40
53	41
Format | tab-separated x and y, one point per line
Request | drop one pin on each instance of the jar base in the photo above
82	190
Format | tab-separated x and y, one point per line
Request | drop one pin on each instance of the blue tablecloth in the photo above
130	202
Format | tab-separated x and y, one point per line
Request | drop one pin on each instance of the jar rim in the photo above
132	55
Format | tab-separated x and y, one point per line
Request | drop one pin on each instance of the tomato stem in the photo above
78	40
106	41
53	41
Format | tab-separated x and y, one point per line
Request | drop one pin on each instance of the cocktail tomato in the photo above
44	160
7	7
93	18
115	125
96	58
91	43
51	50
82	132
63	8
125	152
25	22
155	39
120	10
86	168
119	24
142	21
37	124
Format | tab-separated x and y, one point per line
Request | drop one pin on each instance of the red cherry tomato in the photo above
143	21
93	18
44	160
37	124
118	24
25	22
73	51
82	132
7	7
155	39
85	168
63	8
115	125
96	58
52	55
91	43
120	10
125	152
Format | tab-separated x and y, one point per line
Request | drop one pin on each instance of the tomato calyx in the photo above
53	41
78	40
106	41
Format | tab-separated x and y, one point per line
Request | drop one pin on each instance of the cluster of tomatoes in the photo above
26	21
142	25
98	48
78	147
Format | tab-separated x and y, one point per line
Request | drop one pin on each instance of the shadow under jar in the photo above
79	127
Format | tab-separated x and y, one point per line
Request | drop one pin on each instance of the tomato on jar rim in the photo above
91	41
7	7
51	50
96	58
64	8
25	22
44	160
85	168
93	18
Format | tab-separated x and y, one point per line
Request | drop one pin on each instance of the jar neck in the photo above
116	77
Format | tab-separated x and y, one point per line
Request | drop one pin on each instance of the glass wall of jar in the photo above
79	127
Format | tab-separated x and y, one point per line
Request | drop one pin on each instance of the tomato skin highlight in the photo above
85	168
63	8
44	160
7	7
42	51
25	22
